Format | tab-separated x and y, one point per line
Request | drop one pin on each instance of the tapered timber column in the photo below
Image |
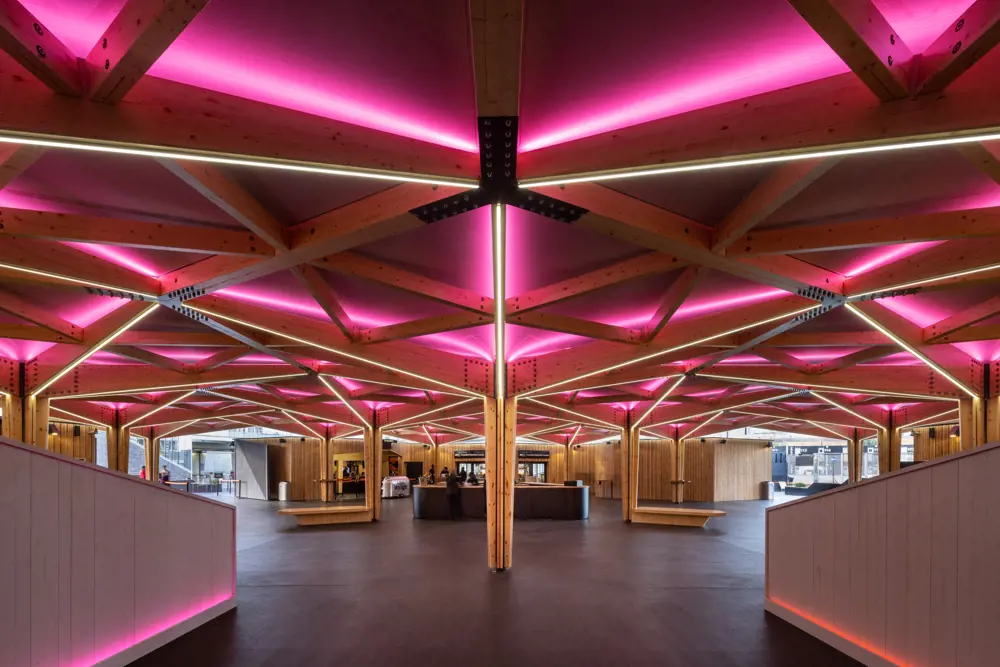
36	421
373	470
971	422
12	422
152	457
501	464
677	492
855	456
630	468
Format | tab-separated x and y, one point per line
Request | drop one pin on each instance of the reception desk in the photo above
531	501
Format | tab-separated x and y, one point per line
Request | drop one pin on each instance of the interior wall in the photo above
699	470
657	465
93	559
608	466
251	469
82	447
415	451
740	467
943	443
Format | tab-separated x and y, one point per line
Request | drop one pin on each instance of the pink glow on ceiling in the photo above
888	255
920	22
349	384
113	406
276	300
476	342
120	256
708	306
22	350
745	359
923	315
544	343
706	393
726	75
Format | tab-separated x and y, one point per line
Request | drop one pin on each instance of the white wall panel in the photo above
93	561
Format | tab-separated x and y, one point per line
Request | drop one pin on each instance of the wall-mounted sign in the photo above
470	454
532	453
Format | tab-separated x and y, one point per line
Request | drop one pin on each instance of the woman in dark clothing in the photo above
454	499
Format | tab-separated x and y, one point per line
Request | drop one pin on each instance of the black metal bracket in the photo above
498	180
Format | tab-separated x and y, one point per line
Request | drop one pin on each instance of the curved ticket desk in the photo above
531	501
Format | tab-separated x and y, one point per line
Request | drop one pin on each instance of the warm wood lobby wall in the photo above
926	447
82	445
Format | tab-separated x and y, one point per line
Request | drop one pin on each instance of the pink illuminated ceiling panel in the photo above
363	63
887	184
613	69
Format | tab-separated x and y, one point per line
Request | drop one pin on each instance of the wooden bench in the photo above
674	516
319	516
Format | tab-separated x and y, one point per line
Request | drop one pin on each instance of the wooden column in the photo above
855	458
884	451
324	466
35	414
677	492
566	468
373	470
992	407
971	422
630	468
13	423
501	465
152	457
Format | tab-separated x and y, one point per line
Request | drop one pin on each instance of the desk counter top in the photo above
531	501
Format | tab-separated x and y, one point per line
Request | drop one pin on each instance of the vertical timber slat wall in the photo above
720	471
926	448
898	569
657	467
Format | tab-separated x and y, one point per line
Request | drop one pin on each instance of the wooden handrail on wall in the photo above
898	569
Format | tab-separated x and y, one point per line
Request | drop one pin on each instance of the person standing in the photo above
452	492
164	475
142	472
431	479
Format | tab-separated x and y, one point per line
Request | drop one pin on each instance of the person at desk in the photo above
454	499
473	480
431	479
462	476
444	474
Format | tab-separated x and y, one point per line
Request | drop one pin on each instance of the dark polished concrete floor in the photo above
418	592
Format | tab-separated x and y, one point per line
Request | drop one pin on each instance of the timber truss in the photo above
186	351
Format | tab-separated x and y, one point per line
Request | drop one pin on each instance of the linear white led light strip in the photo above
336	393
429	412
846	409
610	384
653	355
912	350
927	281
844	150
302	341
927	419
659	400
387	384
162	407
92	351
704	423
583	417
708	412
818	421
499	294
240	399
302	424
97	146
809	385
198	419
828	430
80	417
178	387
451	428
77	281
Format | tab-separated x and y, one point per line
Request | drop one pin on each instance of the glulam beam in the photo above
496	28
960	46
13	304
30	42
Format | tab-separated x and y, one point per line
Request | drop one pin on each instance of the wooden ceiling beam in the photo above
496	27
672	299
620	216
648	264
15	160
384	273
138	35
781	358
176	338
423	326
35	333
799	119
853	359
802	238
945	259
969	334
973	34
778	188
366	220
228	196
961	320
147	357
576	326
131	233
858	32
220	358
12	304
171	116
52	257
324	295
29	41
914	380
826	339
95	381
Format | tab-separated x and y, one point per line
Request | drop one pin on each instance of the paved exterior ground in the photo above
410	592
